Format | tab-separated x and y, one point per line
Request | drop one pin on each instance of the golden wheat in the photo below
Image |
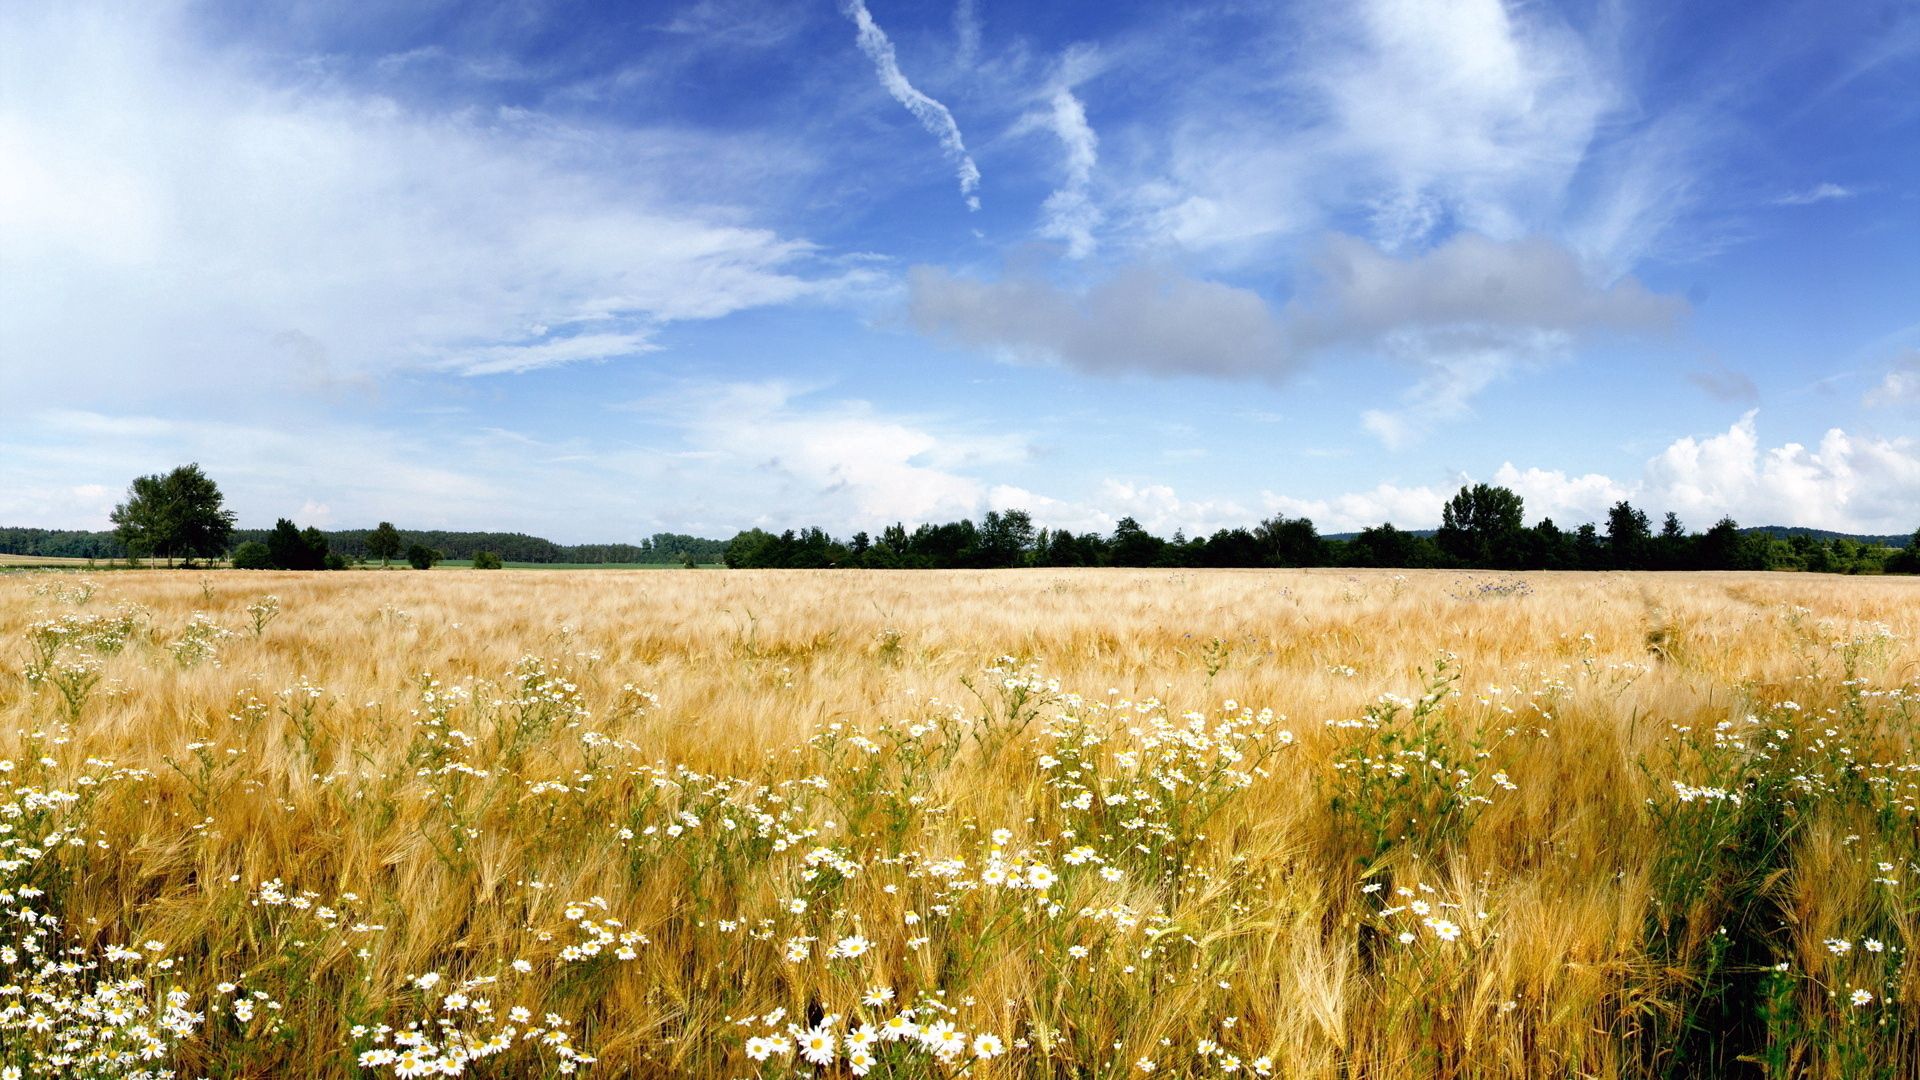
1074	823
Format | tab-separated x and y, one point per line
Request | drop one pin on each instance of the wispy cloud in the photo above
933	116
1823	192
966	34
184	213
1900	385
1069	214
1723	383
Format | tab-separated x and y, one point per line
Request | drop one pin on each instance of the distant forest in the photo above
1481	528
352	543
1631	543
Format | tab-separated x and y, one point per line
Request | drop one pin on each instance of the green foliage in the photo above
252	555
292	548
486	560
384	541
422	557
1481	526
176	515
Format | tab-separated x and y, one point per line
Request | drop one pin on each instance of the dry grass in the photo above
628	782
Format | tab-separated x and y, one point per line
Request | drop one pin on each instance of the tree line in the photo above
1482	527
180	516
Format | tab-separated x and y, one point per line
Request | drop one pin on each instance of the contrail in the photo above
1071	216
932	115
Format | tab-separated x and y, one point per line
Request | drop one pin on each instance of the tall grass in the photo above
1043	823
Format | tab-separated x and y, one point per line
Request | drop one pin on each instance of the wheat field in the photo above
1090	823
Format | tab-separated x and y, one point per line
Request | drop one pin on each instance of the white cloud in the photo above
1468	313
1822	192
933	116
1160	510
1070	215
1469	110
1846	482
1433	117
1569	500
515	358
840	464
1404	507
966	34
1451	379
177	219
1900	385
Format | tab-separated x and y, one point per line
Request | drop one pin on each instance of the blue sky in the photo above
595	271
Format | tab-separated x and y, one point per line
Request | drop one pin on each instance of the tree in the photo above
319	553
1672	549
1723	547
422	557
1288	541
1133	545
180	514
287	549
1005	538
1481	526
486	560
384	541
252	555
1907	559
1629	534
1384	545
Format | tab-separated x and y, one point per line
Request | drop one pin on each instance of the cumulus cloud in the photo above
1143	320
1845	482
838	463
1404	507
170	210
1568	499
935	117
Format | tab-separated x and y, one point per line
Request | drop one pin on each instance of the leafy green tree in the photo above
1230	547
319	552
286	548
486	560
1629	536
384	541
1673	548
178	514
1005	538
1907	559
1724	547
1480	526
1133	545
252	555
1384	545
1288	541
422	557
